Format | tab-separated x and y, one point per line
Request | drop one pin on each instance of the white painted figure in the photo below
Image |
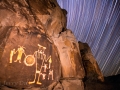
44	67
43	76
50	74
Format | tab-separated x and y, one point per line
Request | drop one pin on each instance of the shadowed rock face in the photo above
110	83
92	69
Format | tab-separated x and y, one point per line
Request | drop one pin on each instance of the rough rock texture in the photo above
73	84
70	57
110	83
26	61
28	57
58	87
45	15
37	52
71	61
92	69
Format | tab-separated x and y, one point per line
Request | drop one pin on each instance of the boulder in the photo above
37	51
71	61
29	60
92	69
28	56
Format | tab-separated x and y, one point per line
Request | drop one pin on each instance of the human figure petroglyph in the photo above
12	52
42	57
40	52
42	64
20	51
42	48
50	74
45	67
43	76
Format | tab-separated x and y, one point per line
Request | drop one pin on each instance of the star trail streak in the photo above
97	22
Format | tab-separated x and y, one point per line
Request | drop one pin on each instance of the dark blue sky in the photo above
97	22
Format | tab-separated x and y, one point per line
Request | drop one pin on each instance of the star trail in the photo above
97	22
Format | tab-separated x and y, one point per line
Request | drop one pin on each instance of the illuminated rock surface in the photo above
37	52
28	56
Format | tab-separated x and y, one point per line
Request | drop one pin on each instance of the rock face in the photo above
70	57
28	56
37	52
71	61
29	60
92	69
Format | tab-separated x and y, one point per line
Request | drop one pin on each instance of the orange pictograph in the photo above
20	51
12	52
30	60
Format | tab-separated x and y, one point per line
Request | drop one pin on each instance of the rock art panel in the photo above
29	61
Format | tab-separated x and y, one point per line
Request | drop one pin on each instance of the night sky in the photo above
97	22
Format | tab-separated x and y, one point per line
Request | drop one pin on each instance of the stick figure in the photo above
45	67
50	74
43	76
40	51
12	52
